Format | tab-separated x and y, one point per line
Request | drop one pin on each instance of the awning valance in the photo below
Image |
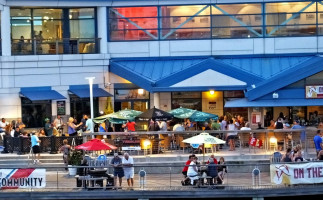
273	103
83	91
40	93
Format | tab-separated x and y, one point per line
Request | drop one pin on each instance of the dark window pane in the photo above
236	32
133	35
292	30
34	113
179	34
222	21
196	22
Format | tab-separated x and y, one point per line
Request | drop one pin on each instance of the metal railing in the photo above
171	142
160	177
55	46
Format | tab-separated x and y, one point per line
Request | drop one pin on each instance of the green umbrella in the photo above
118	117
199	116
193	115
182	113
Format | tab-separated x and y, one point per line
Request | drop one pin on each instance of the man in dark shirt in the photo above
83	123
116	162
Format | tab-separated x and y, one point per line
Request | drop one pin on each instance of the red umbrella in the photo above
95	145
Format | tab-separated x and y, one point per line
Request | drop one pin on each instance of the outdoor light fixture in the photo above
275	95
211	92
273	140
253	86
147	143
140	91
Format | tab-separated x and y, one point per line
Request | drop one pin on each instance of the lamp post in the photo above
90	79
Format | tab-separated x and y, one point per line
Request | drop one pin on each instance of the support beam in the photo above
5	31
238	21
291	18
102	29
133	23
186	21
156	100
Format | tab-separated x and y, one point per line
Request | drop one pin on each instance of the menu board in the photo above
61	108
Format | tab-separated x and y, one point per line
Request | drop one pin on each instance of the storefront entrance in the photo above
80	106
35	112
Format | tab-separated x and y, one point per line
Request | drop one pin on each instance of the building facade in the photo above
253	58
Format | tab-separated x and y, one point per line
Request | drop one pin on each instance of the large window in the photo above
133	23
35	112
191	100
53	30
291	19
250	20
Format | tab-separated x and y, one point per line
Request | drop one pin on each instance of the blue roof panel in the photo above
265	67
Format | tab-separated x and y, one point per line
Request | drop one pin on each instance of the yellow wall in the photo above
211	108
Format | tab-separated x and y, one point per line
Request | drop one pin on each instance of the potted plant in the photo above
75	159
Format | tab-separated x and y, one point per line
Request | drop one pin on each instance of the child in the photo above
66	152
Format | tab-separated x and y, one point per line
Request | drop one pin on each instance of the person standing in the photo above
59	125
83	123
3	125
231	135
35	147
162	126
130	126
127	163
298	126
72	127
48	128
318	142
89	125
118	172
20	125
66	152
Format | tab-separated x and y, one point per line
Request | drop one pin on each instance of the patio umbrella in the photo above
95	145
193	115
155	114
203	138
199	116
118	117
182	113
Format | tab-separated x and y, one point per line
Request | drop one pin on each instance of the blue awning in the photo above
40	93
273	103
83	91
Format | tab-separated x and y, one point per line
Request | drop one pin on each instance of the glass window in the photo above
82	13
304	30
34	113
225	21
130	94
185	10
82	23
128	23
290	7
191	100
237	9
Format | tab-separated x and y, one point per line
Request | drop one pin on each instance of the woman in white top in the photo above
192	171
231	135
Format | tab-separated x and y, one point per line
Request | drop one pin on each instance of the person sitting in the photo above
212	171
288	156
192	171
222	170
320	154
185	169
298	157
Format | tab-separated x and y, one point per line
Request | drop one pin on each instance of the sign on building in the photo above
314	91
22	178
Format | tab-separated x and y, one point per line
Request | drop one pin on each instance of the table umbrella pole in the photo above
203	152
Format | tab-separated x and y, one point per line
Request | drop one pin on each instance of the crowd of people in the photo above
214	171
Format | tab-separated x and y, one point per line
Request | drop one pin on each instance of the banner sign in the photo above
135	148
314	91
22	178
303	173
